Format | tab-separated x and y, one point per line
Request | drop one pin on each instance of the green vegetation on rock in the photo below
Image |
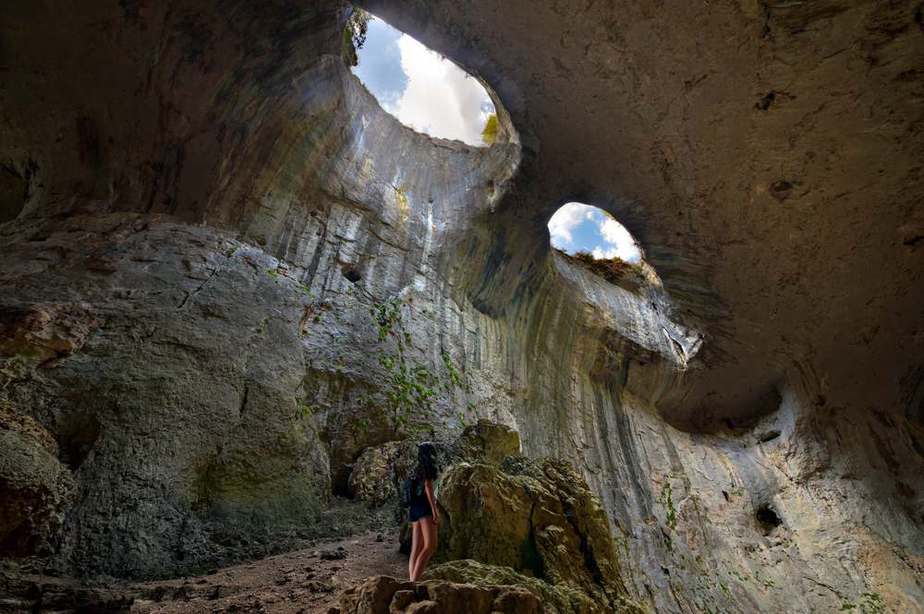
410	385
489	133
614	270
354	36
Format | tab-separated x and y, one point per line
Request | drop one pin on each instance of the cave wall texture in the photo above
199	206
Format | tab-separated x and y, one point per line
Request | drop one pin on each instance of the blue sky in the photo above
421	88
577	227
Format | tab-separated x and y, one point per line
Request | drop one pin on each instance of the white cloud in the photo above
600	254
624	245
577	227
565	220
440	98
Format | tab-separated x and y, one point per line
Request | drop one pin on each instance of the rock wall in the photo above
201	211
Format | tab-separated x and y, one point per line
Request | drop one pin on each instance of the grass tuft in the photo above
489	133
614	270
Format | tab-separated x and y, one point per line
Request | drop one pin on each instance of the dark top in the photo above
419	503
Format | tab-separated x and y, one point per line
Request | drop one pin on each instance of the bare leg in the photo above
428	533
416	547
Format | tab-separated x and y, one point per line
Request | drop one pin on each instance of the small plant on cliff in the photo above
489	133
454	377
354	36
670	512
410	385
871	603
614	270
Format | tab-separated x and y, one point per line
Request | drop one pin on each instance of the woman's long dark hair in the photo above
427	467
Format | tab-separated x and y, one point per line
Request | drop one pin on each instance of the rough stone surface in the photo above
555	598
379	471
754	427
37	489
538	518
488	442
375	474
385	595
203	448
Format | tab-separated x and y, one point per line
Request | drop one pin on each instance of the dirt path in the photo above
305	581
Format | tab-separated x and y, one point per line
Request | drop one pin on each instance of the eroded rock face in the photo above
205	450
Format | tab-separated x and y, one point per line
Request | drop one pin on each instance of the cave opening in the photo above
767	518
578	228
591	238
421	88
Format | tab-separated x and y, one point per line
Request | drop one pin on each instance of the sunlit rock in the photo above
538	518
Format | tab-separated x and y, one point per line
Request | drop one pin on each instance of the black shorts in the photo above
419	510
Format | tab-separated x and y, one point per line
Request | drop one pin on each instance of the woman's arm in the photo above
428	488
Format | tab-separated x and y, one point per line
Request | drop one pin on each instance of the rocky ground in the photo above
518	536
305	581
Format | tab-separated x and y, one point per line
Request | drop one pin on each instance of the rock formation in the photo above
212	239
506	521
384	595
379	472
534	519
36	487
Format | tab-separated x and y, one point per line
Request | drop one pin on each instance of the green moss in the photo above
354	36
561	598
871	603
455	379
491	126
410	386
667	501
401	197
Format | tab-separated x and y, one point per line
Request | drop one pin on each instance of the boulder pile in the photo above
514	532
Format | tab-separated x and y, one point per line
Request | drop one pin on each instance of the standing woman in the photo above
424	514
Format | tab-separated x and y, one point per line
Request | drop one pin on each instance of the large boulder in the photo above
385	595
538	518
488	442
36	487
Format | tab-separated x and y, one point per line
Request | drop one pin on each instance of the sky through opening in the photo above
576	227
424	90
